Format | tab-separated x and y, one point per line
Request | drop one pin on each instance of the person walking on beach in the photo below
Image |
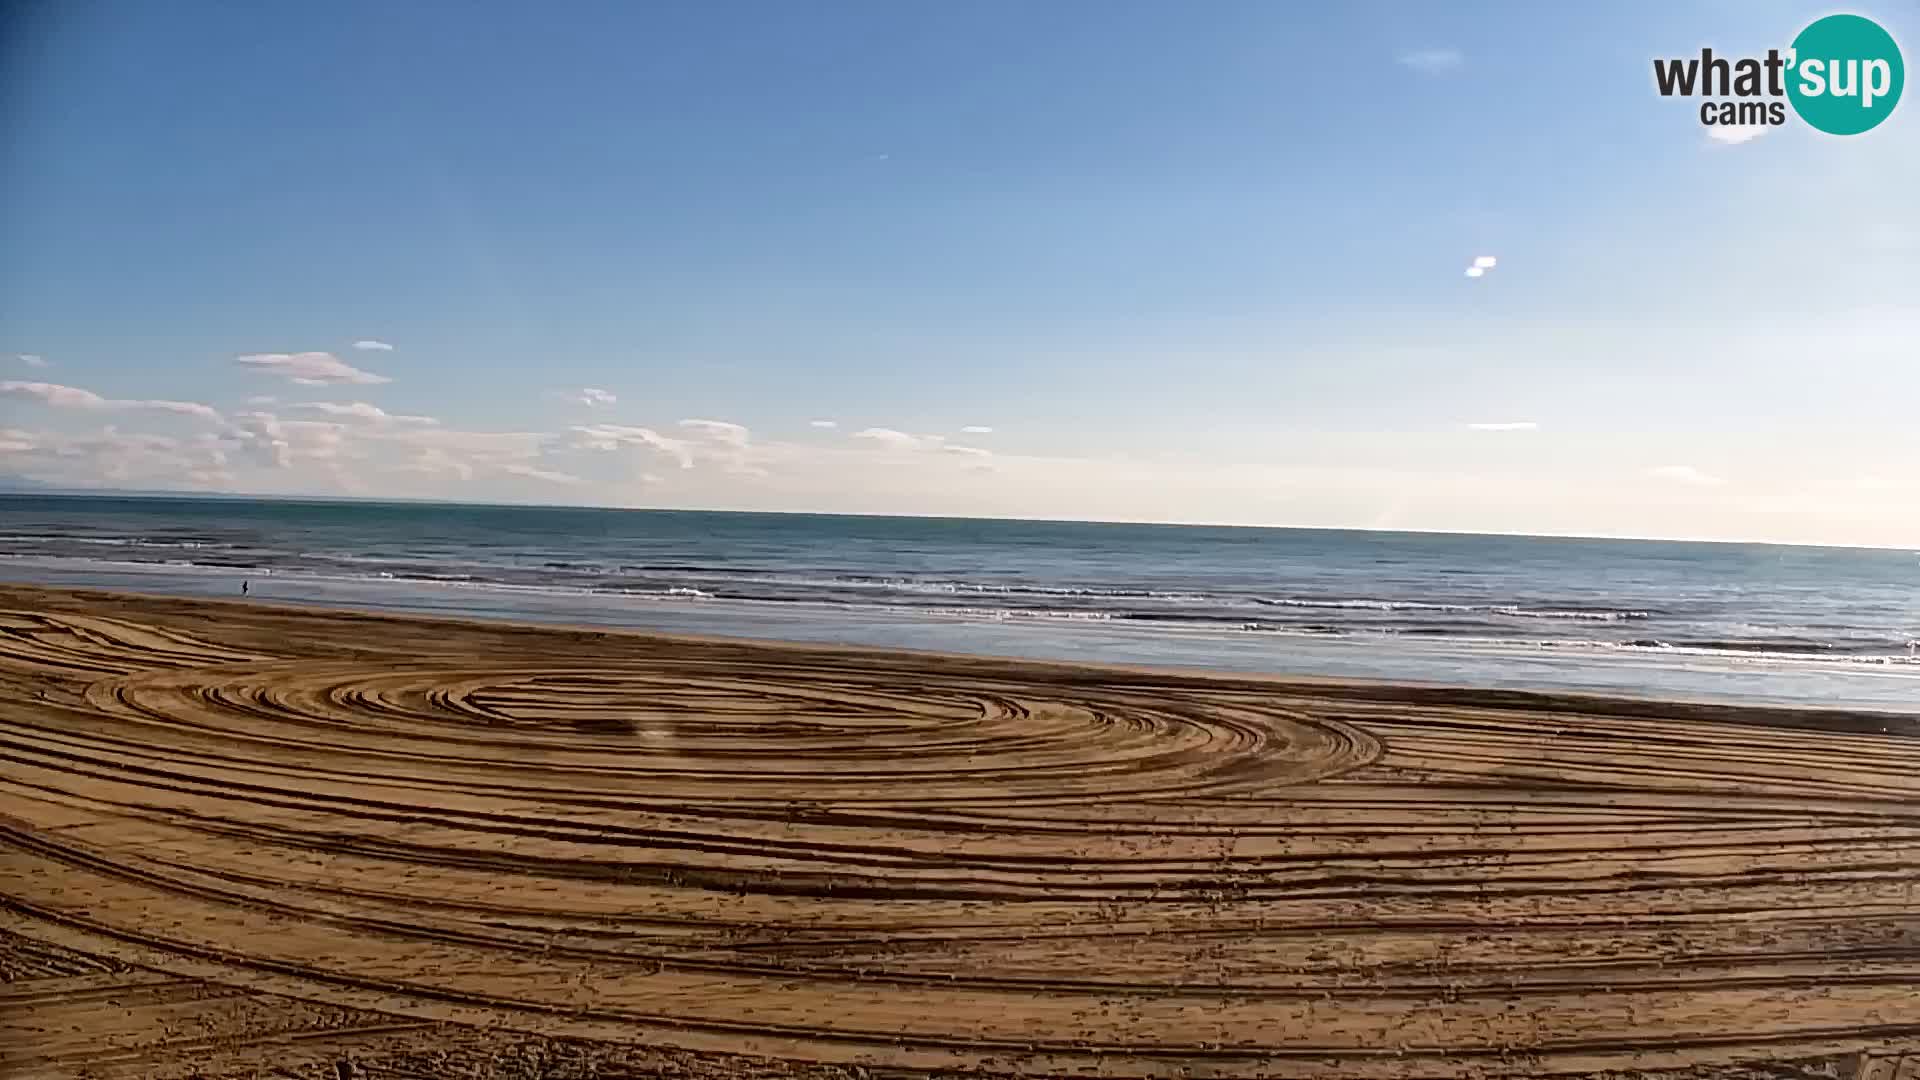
243	587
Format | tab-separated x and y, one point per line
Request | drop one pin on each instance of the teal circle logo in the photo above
1846	74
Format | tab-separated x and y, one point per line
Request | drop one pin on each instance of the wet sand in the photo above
245	840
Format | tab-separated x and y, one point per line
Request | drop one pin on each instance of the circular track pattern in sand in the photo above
737	733
924	864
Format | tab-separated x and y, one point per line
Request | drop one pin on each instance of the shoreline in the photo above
12	595
239	837
1739	677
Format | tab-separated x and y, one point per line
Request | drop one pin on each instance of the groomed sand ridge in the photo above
240	839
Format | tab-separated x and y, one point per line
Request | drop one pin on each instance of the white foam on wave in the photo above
1360	635
104	541
1622	648
1512	611
1576	616
937	586
998	614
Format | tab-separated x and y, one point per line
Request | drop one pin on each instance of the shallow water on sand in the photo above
1723	621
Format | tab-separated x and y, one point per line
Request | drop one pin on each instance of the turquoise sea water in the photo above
1737	621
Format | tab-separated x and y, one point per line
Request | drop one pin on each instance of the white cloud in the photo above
353	448
1832	498
439	451
120	459
361	412
72	397
716	447
590	396
1734	134
1485	262
311	368
210	479
723	444
719	431
478	445
828	425
357	441
183	408
1476	271
32	359
273	442
1685	474
263	440
434	461
1431	61
899	440
1505	425
60	397
610	437
548	475
976	429
368	344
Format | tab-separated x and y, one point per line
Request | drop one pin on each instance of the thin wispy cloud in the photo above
719	431
827	425
34	360
370	345
548	475
894	442
1431	61
434	461
1685	474
898	440
310	368
1735	134
73	397
60	397
363	413
589	396
1505	425
606	438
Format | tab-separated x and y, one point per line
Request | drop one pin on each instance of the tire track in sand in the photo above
837	859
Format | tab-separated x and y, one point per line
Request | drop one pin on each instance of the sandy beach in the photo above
249	840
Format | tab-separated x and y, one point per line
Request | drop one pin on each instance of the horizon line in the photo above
165	494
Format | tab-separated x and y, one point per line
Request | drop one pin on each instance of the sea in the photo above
1700	621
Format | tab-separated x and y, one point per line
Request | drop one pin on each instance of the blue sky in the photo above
1188	263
